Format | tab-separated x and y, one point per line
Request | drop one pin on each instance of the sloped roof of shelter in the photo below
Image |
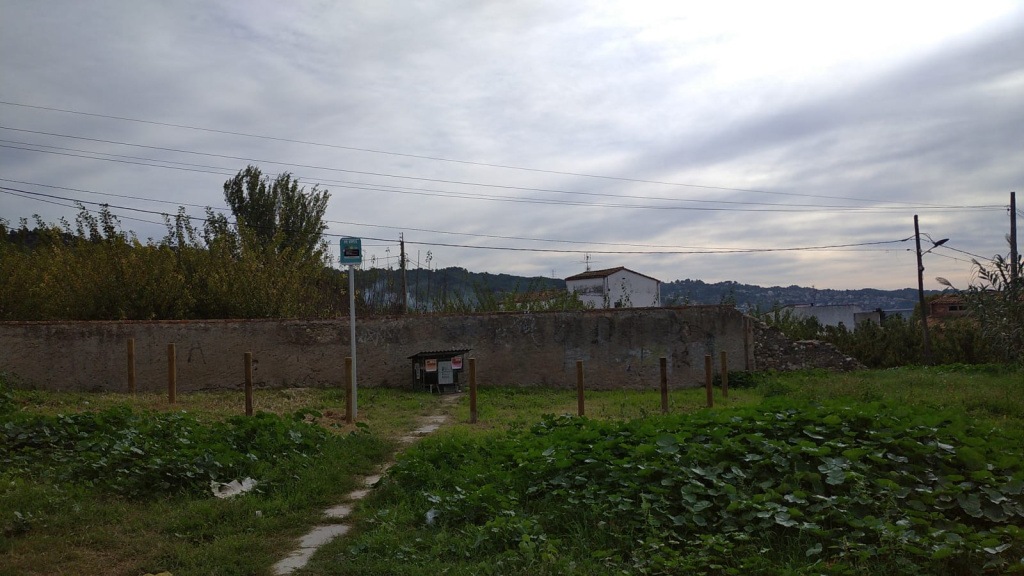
948	299
590	274
439	353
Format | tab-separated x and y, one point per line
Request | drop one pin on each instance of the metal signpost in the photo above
352	254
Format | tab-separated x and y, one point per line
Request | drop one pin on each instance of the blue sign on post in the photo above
352	254
351	251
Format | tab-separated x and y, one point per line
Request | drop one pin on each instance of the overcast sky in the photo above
518	137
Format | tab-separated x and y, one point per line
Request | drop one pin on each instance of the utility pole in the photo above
927	344
1014	272
405	286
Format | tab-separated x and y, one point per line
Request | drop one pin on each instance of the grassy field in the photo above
85	522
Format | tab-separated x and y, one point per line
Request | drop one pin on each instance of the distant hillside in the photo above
427	285
748	296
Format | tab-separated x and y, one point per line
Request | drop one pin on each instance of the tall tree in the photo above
278	212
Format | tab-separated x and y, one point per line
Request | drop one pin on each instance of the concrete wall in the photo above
620	348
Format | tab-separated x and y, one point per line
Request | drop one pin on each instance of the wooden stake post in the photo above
131	365
708	378
579	387
725	377
172	376
248	383
664	385
472	390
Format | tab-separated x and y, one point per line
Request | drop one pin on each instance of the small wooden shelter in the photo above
438	370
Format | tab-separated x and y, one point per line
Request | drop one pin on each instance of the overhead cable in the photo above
434	158
456	182
509	248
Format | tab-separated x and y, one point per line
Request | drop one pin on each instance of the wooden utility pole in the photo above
926	344
405	285
1014	272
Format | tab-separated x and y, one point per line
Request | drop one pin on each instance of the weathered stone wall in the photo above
619	348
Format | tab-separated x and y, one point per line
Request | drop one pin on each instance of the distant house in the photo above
947	306
874	316
615	288
835	315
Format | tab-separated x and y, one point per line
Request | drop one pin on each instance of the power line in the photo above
112	160
119	217
111	194
16	192
437	158
492	236
948	247
803	208
900	206
674	252
159	164
400	228
16	143
357	185
952	258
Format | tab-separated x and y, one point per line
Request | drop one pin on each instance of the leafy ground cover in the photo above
150	455
82	511
895	472
90	485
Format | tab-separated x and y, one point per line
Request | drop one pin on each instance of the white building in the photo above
835	315
615	288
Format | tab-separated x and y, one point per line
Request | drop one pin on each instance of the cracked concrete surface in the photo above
323	534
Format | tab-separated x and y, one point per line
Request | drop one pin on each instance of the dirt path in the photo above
337	515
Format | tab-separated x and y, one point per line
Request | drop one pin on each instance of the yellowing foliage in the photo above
97	272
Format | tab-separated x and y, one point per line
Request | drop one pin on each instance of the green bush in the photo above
897	341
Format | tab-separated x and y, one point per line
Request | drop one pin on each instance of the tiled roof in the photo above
948	299
590	274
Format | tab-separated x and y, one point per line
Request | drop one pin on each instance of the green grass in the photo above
60	527
988	393
505	407
388	411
